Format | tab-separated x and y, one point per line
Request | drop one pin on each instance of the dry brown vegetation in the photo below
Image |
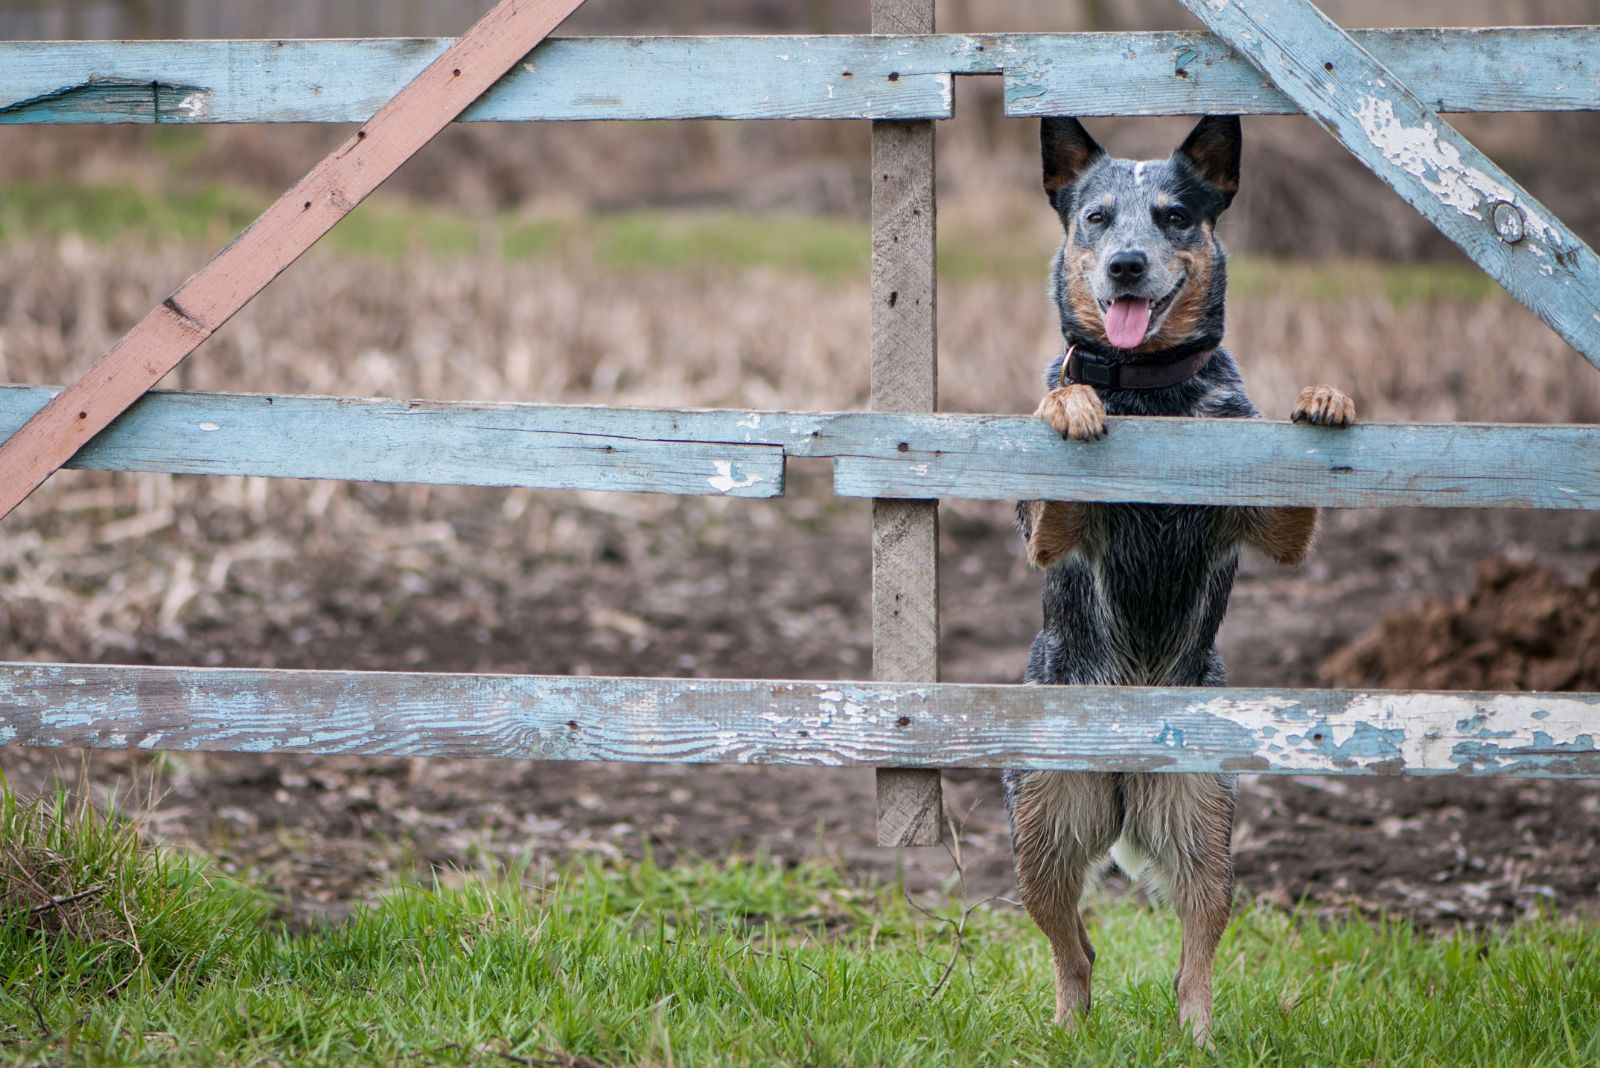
94	560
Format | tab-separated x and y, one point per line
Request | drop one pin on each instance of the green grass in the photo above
828	248
387	227
741	962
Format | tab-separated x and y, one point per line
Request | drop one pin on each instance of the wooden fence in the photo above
1379	92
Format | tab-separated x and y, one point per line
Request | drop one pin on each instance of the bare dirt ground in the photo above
668	599
320	575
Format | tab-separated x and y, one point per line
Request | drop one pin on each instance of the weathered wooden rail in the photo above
791	77
1379	92
885	455
832	724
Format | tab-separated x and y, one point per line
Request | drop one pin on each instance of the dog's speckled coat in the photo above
1134	594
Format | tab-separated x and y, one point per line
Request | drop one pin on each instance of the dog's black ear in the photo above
1213	147
1067	150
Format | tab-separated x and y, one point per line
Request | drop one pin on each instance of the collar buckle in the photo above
1091	370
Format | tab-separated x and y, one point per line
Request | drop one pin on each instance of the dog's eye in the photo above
1095	217
1178	218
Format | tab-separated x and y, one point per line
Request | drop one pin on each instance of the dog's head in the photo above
1141	270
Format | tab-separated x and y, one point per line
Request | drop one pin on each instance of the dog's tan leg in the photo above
1284	535
1074	412
1063	823
1053	529
1184	823
1203	919
1055	910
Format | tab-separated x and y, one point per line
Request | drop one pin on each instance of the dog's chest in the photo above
1154	563
1140	602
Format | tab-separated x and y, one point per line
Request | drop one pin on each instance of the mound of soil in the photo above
1522	627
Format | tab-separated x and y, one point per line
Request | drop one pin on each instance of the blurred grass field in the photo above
830	249
744	961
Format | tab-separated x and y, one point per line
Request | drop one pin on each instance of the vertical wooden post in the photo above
905	534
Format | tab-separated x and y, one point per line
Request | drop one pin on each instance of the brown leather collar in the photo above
1093	371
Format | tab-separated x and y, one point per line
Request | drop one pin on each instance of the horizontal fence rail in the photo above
876	454
787	77
711	721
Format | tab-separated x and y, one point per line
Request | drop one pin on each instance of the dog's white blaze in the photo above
1418	151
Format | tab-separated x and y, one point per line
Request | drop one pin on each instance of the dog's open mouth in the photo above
1128	319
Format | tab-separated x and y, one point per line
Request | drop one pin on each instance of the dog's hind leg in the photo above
1184	824
1061	823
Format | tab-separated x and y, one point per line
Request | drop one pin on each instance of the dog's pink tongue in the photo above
1126	322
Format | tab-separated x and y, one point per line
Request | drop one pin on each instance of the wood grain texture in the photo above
905	362
573	78
275	240
832	724
396	441
915	456
1368	108
1214	461
1553	68
1525	68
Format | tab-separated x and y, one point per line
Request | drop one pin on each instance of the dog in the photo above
1134	593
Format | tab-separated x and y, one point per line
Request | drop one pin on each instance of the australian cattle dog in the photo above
1134	593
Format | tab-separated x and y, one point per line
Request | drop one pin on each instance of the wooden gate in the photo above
1379	92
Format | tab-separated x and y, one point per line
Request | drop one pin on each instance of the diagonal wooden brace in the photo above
163	338
1514	238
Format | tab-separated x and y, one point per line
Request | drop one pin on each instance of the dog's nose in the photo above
1127	266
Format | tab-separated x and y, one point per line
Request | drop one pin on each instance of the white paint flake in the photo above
195	105
1435	724
1418	151
752	421
1423	730
209	427
724	482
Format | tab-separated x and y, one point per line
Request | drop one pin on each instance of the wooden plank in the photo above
834	724
790	77
878	454
1368	109
576	78
1523	68
905	363
395	441
177	326
1215	461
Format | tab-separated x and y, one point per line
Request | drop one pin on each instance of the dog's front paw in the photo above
1074	412
1323	406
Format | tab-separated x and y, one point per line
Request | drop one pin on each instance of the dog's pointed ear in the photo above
1067	151
1213	148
